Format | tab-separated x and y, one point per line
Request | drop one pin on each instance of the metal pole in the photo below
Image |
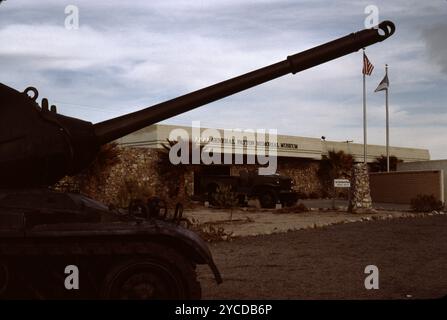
387	126
364	119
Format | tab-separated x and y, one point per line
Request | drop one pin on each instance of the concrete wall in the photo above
401	187
426	165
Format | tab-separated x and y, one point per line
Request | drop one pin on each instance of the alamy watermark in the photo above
372	280
72	17
372	18
72	279
229	146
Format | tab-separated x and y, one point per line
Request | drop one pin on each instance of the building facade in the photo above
143	160
287	146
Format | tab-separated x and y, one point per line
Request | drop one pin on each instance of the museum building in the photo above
296	157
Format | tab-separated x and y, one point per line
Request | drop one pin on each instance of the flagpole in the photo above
364	115
387	125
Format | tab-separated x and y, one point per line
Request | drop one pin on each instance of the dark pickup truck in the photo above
269	189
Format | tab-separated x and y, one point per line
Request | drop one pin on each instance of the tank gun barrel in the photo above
38	146
113	129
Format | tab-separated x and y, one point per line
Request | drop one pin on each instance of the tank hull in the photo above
38	242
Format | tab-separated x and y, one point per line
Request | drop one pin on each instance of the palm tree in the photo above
174	175
379	164
337	164
334	165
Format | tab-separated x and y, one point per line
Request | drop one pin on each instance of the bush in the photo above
302	195
379	164
299	208
426	203
314	195
224	197
212	233
207	231
130	189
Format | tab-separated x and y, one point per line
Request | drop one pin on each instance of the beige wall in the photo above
401	187
289	146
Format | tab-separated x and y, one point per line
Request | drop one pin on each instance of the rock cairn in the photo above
360	200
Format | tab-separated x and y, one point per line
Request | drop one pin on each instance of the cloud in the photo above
125	57
435	38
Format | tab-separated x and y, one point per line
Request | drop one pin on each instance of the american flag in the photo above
367	66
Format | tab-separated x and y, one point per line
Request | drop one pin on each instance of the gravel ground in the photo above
265	222
329	262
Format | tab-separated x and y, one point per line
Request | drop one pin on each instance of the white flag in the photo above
384	84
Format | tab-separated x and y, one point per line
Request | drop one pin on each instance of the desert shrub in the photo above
207	231
224	197
313	195
302	195
426	203
342	193
212	233
299	208
131	189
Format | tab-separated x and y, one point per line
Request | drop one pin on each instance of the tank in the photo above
138	254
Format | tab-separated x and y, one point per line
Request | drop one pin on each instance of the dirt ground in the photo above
256	222
329	262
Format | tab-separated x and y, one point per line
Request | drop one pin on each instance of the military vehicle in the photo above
44	234
268	189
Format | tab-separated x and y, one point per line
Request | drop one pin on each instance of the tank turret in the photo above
38	146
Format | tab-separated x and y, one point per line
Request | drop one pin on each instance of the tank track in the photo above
95	260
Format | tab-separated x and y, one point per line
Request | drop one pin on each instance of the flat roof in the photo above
250	142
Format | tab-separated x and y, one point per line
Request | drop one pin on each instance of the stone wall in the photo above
134	170
137	166
303	172
138	175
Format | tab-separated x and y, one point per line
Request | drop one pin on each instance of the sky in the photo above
129	55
